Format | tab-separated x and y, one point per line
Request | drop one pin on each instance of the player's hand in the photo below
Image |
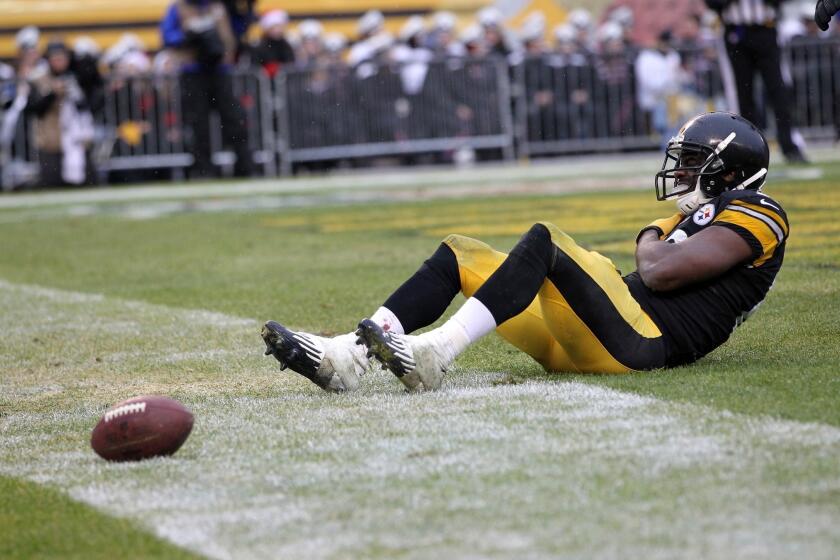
824	11
662	226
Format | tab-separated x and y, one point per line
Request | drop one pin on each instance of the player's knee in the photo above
535	245
462	245
540	232
444	263
537	239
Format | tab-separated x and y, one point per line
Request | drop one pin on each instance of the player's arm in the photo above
707	254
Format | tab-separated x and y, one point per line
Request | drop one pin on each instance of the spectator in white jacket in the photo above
659	78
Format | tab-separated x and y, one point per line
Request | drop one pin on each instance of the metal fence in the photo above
815	75
140	126
18	158
254	92
578	104
377	109
550	104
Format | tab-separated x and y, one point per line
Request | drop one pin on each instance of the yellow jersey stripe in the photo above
758	228
766	220
767	211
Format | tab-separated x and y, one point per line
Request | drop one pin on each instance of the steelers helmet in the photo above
711	154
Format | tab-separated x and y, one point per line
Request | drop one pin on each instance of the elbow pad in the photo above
662	226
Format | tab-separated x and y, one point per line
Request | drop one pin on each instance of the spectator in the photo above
372	40
623	16
311	48
566	47
697	45
581	21
752	46
127	43
614	66
64	126
8	90
15	93
413	108
28	57
274	51
532	34
85	66
538	80
370	24
473	40
441	40
573	67
241	15
334	44
658	80
412	56
200	35
490	19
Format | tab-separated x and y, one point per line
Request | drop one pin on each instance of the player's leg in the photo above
589	309
504	288
336	364
743	70
777	92
526	330
603	330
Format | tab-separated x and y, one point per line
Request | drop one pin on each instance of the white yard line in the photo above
591	172
586	167
235	201
536	470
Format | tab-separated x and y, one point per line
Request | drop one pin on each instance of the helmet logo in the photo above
704	214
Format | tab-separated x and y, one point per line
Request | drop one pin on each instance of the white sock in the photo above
475	319
471	322
386	319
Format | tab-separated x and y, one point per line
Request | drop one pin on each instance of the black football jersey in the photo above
698	318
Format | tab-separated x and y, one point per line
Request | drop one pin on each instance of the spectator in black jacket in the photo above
273	51
85	65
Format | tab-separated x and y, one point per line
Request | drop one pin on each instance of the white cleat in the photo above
415	360
334	364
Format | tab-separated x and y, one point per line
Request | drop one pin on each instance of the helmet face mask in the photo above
687	164
713	153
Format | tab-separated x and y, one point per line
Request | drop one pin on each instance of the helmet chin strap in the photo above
761	173
691	201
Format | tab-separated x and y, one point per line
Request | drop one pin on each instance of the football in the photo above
141	427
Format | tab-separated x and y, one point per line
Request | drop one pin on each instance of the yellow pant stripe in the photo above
549	330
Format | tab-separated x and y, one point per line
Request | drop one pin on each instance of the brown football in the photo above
140	428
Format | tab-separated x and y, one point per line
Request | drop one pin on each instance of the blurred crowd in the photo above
63	85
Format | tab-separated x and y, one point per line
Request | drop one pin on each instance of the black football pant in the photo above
751	49
201	92
566	307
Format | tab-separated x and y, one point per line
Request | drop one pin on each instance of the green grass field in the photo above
111	294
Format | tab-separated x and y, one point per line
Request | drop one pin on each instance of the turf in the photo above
507	461
39	522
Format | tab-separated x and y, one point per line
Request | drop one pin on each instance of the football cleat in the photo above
333	364
415	360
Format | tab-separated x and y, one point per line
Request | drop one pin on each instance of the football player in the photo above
700	273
